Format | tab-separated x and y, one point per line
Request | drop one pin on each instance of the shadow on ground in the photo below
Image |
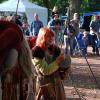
82	81
73	99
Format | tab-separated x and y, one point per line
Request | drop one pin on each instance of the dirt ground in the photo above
82	80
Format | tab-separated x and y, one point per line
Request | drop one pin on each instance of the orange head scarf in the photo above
45	37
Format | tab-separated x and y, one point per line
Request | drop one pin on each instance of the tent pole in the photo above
17	7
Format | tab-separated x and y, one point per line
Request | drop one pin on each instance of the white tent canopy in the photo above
25	6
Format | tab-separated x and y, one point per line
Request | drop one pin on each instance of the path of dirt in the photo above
83	79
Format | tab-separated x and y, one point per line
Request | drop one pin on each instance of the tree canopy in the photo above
85	5
90	6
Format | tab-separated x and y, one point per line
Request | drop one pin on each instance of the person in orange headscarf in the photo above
49	85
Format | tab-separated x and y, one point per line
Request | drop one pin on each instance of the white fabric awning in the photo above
27	7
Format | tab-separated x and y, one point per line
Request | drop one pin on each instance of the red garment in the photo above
10	37
32	41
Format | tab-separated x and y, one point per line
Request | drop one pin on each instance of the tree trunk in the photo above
74	7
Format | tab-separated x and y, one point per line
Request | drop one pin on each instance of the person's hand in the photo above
64	74
60	58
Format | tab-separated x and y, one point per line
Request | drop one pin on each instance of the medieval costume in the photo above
49	84
15	61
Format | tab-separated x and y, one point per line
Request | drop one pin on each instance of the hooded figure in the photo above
8	38
15	61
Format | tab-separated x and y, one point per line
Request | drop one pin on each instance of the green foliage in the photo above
90	6
39	2
62	4
2	1
86	5
51	3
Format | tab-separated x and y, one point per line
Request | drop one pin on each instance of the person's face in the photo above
50	40
55	17
36	17
95	18
85	33
75	16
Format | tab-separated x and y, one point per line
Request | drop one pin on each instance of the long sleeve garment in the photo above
44	67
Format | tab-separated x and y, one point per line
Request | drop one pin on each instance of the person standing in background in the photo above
95	34
95	26
55	24
36	25
75	24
